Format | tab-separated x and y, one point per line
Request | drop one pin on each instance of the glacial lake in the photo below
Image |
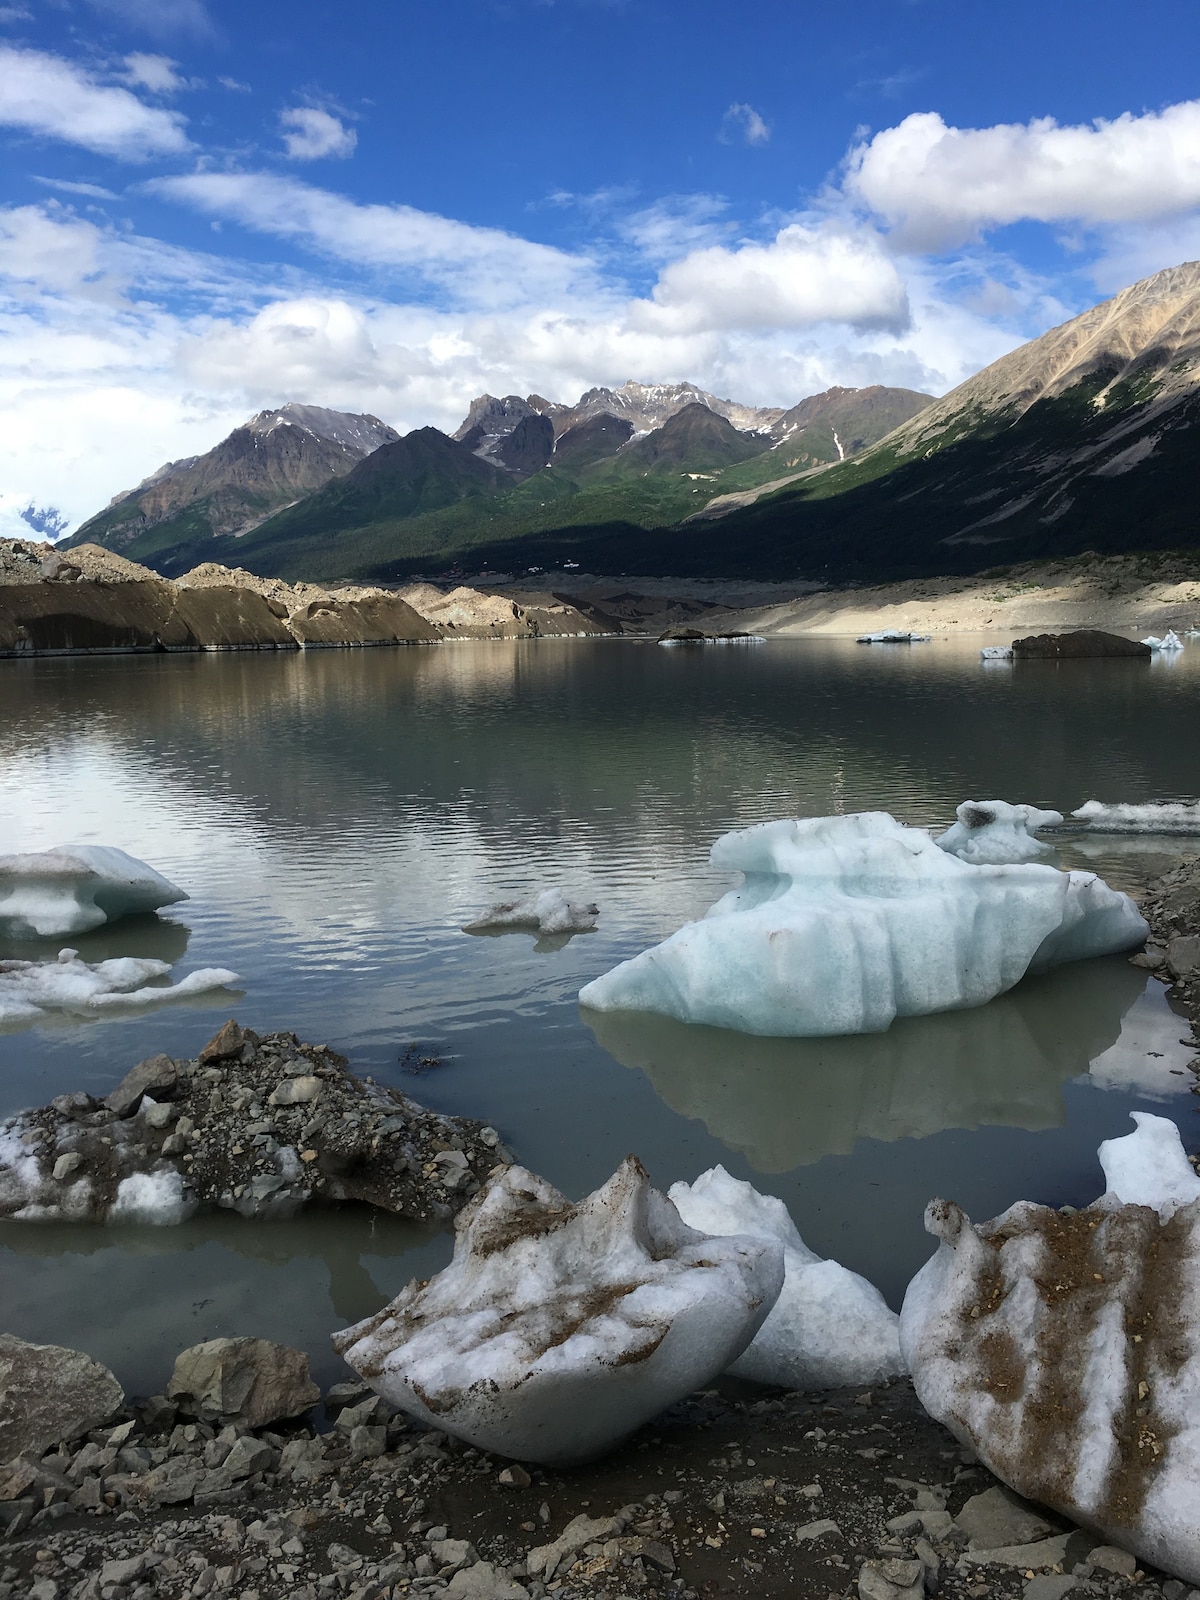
337	816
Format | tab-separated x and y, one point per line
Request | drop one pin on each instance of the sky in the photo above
210	208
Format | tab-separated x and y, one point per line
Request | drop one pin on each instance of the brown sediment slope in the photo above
1133	592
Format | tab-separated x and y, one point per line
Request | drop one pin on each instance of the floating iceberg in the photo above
1163	816
844	923
559	1329
992	832
1170	641
1062	1346
996	652
829	1327
59	892
30	989
549	911
892	636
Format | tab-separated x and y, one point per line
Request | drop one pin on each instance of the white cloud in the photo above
743	122
160	18
676	224
234	85
43	94
91	191
156	73
314	135
482	265
939	186
807	274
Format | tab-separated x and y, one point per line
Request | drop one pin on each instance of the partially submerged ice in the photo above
844	923
547	912
829	1327
996	652
1169	642
52	894
993	832
559	1329
892	636
29	990
1156	816
1064	1347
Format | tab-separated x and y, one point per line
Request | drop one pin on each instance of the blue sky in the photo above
211	208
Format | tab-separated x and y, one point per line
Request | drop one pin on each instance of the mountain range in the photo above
1082	439
322	493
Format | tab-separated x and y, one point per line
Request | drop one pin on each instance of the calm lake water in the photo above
336	817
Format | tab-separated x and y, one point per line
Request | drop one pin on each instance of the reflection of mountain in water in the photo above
786	1102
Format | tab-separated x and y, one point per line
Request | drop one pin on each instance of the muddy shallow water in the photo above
337	816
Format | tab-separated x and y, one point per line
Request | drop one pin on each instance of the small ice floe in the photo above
893	636
1064	1347
547	912
1155	816
996	652
698	636
559	1329
31	989
1170	641
844	923
829	1327
54	893
992	832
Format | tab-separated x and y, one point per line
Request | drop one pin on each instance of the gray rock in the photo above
226	1044
818	1530
295	1091
891	1580
1108	1558
247	1456
484	1581
48	1393
1183	955
122	1571
453	1553
997	1517
66	1165
253	1380
158	1076
1043	1553
1049	1586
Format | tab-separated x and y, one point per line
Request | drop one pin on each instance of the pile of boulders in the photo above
1171	906
258	1125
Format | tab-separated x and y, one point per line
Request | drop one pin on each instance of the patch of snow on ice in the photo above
153	1198
546	912
829	1327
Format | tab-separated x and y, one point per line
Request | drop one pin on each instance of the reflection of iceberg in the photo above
54	893
1149	1057
844	923
785	1102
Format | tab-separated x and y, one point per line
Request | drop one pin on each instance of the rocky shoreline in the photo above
775	1495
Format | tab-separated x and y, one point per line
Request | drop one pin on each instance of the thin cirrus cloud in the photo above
310	134
90	191
161	19
42	94
477	265
742	124
939	186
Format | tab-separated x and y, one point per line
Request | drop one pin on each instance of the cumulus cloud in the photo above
43	94
482	265
159	74
314	135
938	186
807	274
742	123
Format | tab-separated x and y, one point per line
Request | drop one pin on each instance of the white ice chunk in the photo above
1170	641
31	989
992	832
1149	1167
829	1327
1157	816
548	911
892	636
844	923
559	1329
76	888
153	1198
996	652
